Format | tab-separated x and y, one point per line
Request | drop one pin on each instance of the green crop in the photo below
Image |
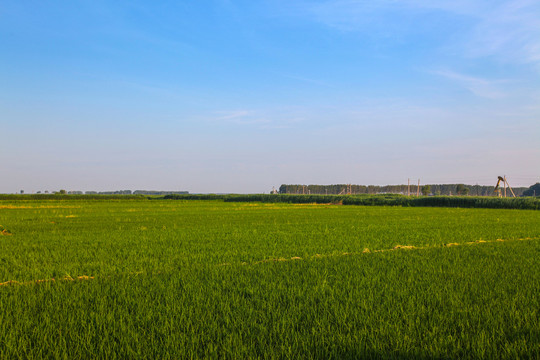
90	278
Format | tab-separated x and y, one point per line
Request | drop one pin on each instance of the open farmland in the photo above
178	279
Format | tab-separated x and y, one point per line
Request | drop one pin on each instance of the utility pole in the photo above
418	188
408	187
504	185
509	187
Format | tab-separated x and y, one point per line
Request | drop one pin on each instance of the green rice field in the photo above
176	279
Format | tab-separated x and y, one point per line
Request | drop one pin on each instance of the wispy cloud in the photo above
508	30
262	119
232	115
355	15
480	87
241	117
307	80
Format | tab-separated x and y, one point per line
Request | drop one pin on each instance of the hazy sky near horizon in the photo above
240	96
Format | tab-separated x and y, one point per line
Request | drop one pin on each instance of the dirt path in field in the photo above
395	248
68	278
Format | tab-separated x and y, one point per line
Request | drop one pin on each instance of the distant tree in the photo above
22	191
62	192
426	190
461	189
533	190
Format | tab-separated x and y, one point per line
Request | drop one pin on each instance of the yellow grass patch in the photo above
4	231
404	247
40	281
85	277
257	206
313	204
10	282
37	207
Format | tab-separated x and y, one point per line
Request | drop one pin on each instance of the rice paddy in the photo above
142	278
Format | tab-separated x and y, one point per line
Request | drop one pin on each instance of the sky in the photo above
240	96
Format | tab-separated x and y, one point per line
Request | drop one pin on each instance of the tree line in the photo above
529	203
430	189
136	192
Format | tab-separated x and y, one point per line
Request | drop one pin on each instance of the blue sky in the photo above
240	96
